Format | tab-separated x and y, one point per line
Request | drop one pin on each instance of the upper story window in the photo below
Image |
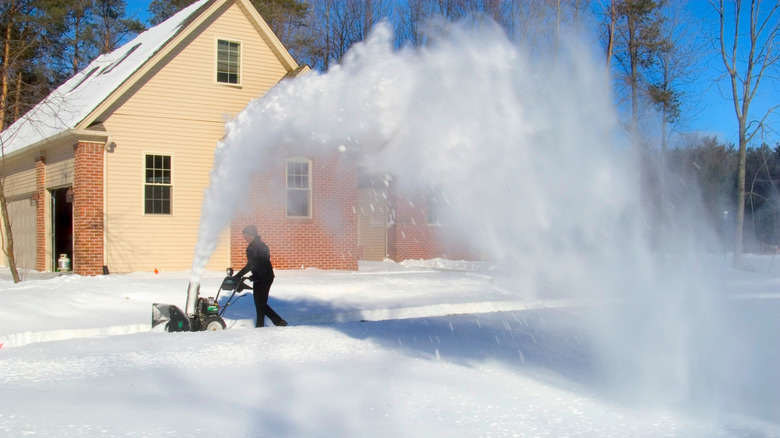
157	184
298	187
228	62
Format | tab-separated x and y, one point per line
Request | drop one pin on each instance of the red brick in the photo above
308	243
88	209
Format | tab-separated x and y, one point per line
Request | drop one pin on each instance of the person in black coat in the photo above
258	262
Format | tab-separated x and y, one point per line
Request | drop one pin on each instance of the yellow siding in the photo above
178	110
21	177
59	166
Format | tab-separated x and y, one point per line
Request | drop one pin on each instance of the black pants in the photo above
260	294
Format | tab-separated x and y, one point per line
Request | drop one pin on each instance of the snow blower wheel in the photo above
213	324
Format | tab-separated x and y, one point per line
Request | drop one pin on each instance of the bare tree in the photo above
334	26
112	26
410	17
674	70
8	243
634	39
14	48
746	67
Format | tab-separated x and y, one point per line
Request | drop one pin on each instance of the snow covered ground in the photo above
415	349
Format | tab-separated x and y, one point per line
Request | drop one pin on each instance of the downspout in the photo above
106	149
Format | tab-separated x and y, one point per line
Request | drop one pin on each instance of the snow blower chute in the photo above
201	313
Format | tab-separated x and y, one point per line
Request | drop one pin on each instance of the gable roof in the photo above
76	102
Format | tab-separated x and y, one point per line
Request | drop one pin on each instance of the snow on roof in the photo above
68	105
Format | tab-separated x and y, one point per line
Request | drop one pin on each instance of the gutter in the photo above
81	134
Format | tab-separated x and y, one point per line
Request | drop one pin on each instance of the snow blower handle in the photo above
232	283
243	286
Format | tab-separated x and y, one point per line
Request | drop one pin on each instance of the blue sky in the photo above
713	111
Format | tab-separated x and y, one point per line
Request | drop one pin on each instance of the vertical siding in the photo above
372	224
22	217
19	188
178	110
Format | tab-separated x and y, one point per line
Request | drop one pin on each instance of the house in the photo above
110	170
111	167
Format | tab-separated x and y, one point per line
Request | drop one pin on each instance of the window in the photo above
157	187
84	79
437	209
228	62
298	187
111	66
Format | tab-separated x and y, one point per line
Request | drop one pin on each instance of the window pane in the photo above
298	203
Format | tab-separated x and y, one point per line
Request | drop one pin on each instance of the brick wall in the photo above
40	214
88	209
411	237
327	240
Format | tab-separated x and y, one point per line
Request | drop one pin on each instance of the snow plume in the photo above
523	151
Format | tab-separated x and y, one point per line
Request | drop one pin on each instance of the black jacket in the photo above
258	262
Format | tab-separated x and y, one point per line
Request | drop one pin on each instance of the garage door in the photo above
22	216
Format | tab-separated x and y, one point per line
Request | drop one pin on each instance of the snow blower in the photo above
202	313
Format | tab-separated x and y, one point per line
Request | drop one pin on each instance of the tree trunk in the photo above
18	97
6	66
739	233
633	54
611	41
8	248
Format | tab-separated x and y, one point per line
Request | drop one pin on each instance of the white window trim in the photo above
143	184
311	186
435	199
240	61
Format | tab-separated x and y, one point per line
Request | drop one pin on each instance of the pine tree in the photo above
112	28
162	10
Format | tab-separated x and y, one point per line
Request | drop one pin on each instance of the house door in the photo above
372	224
62	223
